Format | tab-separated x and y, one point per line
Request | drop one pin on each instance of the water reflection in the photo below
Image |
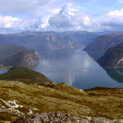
76	68
116	74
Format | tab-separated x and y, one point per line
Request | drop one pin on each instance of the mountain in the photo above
116	74
83	38
18	56
113	58
47	41
101	44
24	74
29	59
39	41
8	51
104	32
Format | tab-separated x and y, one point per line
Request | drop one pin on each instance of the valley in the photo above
61	61
47	79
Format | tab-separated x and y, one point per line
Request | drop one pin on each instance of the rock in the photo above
29	59
51	117
58	117
7	51
13	56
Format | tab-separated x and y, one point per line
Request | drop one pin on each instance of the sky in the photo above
61	15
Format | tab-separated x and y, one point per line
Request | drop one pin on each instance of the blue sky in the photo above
61	15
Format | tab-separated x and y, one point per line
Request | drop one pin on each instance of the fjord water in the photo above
3	71
76	68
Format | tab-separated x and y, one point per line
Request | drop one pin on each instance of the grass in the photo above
97	102
35	92
24	75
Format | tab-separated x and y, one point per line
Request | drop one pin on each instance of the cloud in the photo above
66	18
20	6
121	1
16	24
116	13
69	18
113	20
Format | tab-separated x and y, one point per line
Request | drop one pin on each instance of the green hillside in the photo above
24	74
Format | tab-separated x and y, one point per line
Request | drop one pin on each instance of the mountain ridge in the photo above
100	45
47	41
13	56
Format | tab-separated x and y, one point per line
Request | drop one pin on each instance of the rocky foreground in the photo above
53	117
58	103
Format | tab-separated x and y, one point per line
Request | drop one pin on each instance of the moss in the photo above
45	97
24	75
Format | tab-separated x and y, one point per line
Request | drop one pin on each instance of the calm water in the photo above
3	71
78	69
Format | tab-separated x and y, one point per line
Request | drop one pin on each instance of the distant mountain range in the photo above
100	45
96	45
47	41
83	38
113	58
18	56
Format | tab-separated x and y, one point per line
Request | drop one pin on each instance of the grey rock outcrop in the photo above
29	59
53	117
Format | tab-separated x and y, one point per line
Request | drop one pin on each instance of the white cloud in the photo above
69	18
16	24
113	20
116	13
64	19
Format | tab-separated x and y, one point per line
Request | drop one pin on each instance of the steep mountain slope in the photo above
101	44
29	59
18	56
39	41
113	58
8	51
116	74
83	38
